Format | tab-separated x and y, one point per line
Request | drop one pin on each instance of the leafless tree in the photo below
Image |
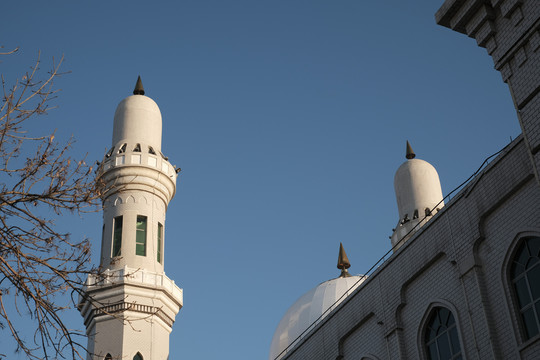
39	181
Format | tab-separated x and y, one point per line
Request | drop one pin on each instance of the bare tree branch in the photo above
39	181
9	52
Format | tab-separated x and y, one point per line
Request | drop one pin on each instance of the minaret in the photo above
418	195
130	307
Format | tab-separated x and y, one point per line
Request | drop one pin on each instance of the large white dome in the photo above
308	309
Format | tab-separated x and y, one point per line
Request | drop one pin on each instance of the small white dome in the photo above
308	309
137	119
417	187
418	195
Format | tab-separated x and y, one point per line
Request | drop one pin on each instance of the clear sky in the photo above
288	119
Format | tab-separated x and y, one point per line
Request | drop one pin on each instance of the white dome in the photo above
137	119
417	187
308	309
418	195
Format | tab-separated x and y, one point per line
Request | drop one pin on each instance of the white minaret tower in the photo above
418	195
130	307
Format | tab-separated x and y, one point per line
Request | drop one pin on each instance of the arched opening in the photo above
108	357
138	356
525	278
441	340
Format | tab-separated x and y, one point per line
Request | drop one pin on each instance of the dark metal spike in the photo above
139	90
343	262
410	153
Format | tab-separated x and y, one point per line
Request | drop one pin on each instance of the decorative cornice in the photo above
123	306
126	276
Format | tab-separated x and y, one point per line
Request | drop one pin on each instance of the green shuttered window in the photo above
159	241
117	236
140	239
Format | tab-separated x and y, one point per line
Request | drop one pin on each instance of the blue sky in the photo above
288	119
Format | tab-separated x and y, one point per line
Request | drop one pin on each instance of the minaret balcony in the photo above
141	277
140	166
127	289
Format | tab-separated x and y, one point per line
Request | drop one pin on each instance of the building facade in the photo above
130	306
466	284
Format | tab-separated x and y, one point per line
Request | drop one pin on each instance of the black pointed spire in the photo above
343	262
139	90
410	153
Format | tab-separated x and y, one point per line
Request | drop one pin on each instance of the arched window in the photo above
525	276
108	357
138	356
441	339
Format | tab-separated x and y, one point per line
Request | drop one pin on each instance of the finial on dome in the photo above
139	90
343	262
410	153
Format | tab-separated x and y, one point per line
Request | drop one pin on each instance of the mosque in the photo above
463	281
